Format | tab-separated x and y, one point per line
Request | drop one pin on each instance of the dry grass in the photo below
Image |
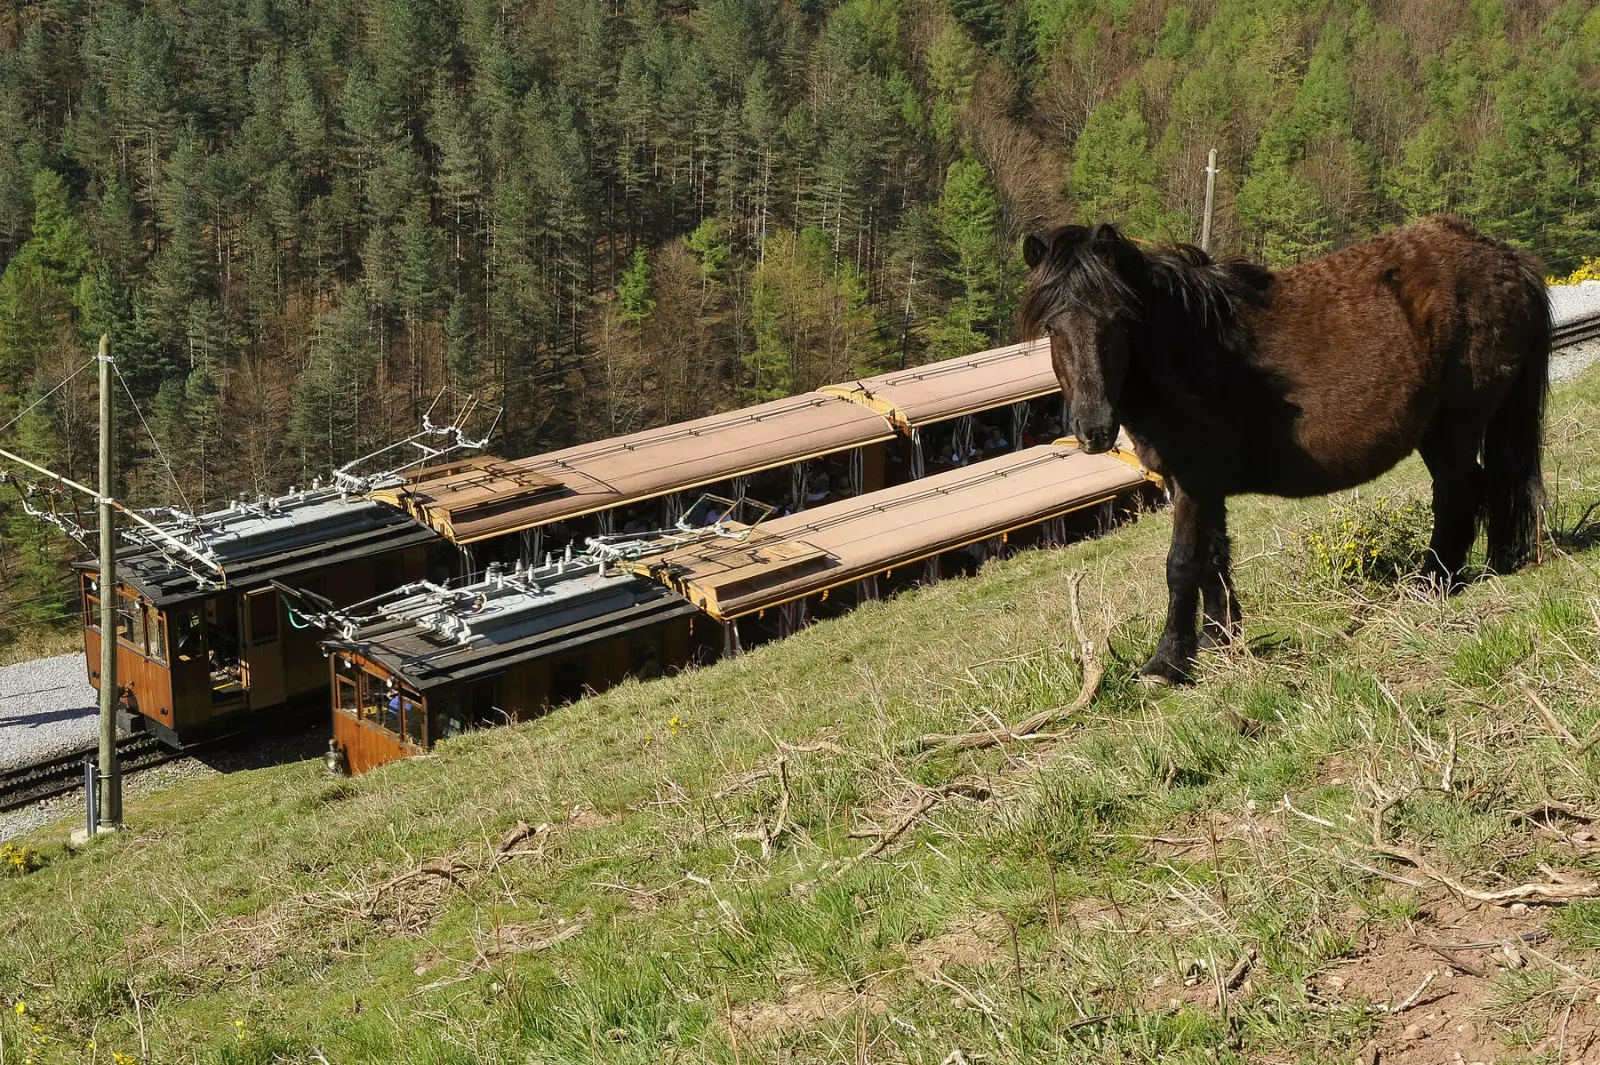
39	643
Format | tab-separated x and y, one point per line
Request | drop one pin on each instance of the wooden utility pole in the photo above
110	773
1211	191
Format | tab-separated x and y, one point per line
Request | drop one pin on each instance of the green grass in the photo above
266	917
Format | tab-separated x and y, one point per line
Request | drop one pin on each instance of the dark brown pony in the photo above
1232	378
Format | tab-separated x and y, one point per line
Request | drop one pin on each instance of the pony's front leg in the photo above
1193	523
1220	602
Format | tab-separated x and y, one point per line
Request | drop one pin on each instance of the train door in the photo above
263	649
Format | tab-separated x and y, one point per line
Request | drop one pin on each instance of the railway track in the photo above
1576	331
49	777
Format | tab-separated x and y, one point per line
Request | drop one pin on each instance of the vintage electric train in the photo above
204	655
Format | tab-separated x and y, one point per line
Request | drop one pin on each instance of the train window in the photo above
411	715
263	618
91	606
345	695
373	697
157	625
130	621
189	643
445	720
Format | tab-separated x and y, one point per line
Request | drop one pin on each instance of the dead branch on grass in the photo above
512	843
1029	728
767	835
1415	996
506	941
459	873
1240	969
1559	887
444	868
1456	960
931	798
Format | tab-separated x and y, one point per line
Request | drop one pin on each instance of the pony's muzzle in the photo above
1095	439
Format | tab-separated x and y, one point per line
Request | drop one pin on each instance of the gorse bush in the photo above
1588	270
1364	541
18	859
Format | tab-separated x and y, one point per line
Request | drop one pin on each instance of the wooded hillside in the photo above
298	220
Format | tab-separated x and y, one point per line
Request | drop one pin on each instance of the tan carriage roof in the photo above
481	498
940	390
802	554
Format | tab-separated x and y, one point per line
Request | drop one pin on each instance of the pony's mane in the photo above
1099	270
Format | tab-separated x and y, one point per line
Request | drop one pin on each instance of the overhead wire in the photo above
48	394
162	455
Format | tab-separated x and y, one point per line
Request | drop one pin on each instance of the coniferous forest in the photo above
297	221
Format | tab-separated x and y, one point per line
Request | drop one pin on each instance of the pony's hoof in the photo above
1158	672
1218	640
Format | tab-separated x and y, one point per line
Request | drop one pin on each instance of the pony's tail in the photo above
1512	445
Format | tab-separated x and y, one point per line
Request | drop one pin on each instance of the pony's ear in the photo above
1034	251
1105	233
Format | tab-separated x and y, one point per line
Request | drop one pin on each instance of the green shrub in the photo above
1364	541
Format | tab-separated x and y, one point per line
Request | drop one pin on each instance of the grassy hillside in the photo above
746	863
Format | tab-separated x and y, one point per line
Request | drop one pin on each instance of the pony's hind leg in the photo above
1451	456
1221	604
1193	523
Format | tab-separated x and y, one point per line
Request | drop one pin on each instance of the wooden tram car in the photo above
417	668
200	654
965	410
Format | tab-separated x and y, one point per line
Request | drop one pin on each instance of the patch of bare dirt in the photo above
1088	915
589	817
1197	985
982	938
763	1022
1192	992
1436	998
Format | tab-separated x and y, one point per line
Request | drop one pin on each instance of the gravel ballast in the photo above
47	707
1574	301
1569	302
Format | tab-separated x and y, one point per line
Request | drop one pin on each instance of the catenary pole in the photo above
110	773
1211	191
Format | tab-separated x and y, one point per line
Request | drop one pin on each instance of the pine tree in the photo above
1113	168
965	218
1429	176
633	291
810	321
46	285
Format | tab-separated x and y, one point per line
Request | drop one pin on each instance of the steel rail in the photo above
48	778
